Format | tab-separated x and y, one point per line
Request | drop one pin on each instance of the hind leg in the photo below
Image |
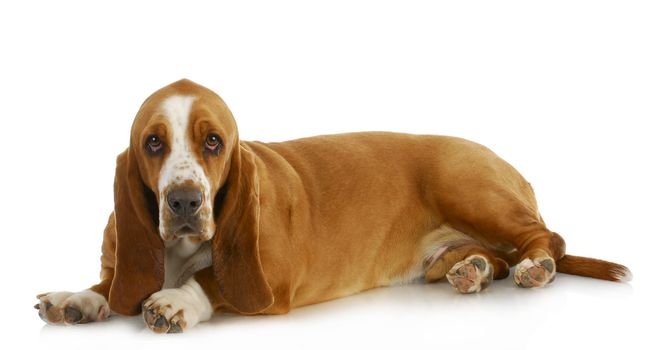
469	268
501	215
482	195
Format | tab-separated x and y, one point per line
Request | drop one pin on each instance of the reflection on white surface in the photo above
573	310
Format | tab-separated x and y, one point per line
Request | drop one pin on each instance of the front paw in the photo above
178	309
72	308
164	312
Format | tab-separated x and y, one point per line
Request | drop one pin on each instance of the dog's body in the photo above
357	211
269	227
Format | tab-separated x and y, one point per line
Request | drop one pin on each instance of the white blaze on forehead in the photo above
181	165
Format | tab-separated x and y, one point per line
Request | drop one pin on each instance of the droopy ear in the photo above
139	269
236	260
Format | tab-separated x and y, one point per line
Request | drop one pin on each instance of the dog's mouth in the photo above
185	229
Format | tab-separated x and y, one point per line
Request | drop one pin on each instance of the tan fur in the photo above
313	219
595	268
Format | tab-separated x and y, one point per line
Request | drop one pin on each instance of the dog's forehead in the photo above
176	109
165	98
183	103
182	87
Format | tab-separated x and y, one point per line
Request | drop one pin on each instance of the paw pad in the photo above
72	315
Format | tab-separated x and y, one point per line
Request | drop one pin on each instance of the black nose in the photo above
184	201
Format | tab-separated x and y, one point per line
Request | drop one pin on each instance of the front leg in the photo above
175	310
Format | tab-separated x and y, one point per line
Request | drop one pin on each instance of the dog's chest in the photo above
182	259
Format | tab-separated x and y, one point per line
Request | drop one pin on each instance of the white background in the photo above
561	89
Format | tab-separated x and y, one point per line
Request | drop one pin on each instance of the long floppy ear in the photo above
236	260
139	269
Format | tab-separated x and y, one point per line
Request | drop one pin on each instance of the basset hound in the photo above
205	222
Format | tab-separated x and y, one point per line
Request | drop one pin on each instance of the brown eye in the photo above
213	143
153	144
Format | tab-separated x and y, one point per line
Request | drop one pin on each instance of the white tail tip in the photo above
622	274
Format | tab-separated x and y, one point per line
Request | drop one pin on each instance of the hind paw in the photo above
535	273
471	275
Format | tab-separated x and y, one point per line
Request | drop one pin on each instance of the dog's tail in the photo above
595	268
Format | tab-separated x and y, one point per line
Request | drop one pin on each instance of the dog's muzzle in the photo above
185	203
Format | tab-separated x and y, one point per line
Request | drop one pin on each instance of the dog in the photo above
206	223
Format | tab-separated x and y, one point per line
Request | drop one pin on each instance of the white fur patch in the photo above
184	257
181	164
622	274
524	265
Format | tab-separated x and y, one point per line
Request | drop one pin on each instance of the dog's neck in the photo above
183	258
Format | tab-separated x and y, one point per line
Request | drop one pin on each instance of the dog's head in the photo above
186	174
183	138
